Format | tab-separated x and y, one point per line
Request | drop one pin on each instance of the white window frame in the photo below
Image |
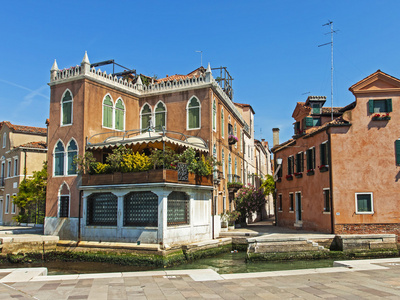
280	199
187	113
54	159
151	115
62	109
372	204
13	206
330	206
222	123
7	204
223	162
16	173
214	115
112	112
4	139
9	167
66	158
115	111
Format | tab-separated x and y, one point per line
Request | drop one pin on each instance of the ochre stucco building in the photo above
342	175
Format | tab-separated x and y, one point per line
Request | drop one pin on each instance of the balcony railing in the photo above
234	178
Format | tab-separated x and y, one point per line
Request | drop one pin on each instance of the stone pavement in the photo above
366	279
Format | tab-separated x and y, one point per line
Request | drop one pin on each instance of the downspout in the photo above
79	215
330	181
25	165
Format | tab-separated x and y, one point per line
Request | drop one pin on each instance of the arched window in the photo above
4	139
160	113
215	157
141	209
102	209
59	159
230	166
193	113
223	162
241	139
214	116
145	116
235	166
178	209
72	150
222	123
66	108
63	205
119	115
108	107
235	133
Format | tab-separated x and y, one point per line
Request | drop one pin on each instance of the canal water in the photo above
225	263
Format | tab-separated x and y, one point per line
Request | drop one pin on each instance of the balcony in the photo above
234	178
1	181
151	176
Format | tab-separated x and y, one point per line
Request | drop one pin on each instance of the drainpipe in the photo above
330	181
25	165
79	215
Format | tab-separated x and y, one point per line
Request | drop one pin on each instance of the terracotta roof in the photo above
194	73
34	145
245	105
348	107
25	129
327	110
378	72
339	121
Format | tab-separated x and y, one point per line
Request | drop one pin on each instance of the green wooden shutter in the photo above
301	162
371	106
313	158
309	121
389	105
397	146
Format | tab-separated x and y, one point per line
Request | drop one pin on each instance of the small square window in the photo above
364	203
380	106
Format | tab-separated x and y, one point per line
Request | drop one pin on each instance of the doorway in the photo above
298	207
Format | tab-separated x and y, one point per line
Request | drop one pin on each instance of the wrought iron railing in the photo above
234	178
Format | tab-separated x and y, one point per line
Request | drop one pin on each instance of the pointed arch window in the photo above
66	108
193	113
119	115
160	113
72	150
63	204
215	157
59	159
235	166
108	107
229	164
145	116
223	162
222	124
4	139
214	116
235	132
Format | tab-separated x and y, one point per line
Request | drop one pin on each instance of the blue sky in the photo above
270	48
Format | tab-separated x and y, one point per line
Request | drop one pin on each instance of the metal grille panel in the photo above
102	209
183	173
141	209
64	206
178	209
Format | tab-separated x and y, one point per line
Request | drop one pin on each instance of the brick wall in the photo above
369	229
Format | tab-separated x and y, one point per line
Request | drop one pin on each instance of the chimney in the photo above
275	134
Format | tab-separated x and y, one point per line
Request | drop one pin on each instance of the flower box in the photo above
232	140
289	177
323	168
380	117
298	174
310	172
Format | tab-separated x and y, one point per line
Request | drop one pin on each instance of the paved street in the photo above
374	279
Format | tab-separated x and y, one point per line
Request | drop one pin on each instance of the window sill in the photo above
326	212
280	211
291	211
65	125
193	128
365	213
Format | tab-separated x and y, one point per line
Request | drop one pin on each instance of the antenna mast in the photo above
331	43
201	57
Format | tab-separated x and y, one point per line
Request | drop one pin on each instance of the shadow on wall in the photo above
397	176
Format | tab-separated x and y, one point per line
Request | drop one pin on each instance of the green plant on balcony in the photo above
234	185
249	200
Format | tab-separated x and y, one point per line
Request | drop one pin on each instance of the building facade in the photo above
339	173
23	151
86	105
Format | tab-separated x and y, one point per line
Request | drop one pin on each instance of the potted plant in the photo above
323	168
289	177
381	117
232	217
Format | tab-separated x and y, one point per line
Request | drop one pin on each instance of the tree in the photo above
268	185
31	197
249	200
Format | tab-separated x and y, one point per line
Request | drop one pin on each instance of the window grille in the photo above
64	206
141	209
178	209
102	209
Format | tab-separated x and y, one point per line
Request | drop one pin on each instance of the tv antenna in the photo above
201	57
330	23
